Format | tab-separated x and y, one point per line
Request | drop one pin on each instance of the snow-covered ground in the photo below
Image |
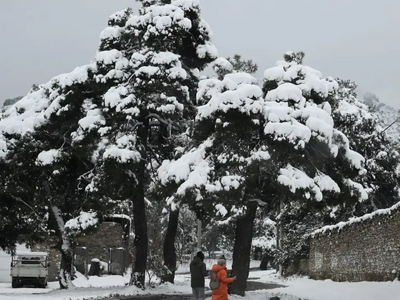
295	288
305	288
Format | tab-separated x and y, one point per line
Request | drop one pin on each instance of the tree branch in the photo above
158	117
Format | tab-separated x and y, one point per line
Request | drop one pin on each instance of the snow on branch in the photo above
192	168
236	91
297	180
48	157
298	109
326	183
84	221
124	149
3	146
356	189
293	131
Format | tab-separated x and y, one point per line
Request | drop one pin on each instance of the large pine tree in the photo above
381	181
99	132
47	163
151	60
265	147
220	176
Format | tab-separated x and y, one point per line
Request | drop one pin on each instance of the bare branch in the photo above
154	154
158	117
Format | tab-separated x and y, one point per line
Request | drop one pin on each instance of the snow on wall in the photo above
363	249
337	227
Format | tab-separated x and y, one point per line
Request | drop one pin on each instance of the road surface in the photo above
251	286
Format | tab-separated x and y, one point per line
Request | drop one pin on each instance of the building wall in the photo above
108	235
365	249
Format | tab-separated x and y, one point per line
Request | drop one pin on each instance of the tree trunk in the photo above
279	239
242	249
169	247
198	235
141	239
257	255
65	276
139	211
265	259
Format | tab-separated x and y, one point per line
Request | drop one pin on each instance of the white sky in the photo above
352	39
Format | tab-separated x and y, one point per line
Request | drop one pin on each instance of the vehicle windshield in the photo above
30	260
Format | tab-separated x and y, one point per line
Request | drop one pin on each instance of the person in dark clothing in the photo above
197	273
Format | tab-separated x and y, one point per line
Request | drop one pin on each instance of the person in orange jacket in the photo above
220	269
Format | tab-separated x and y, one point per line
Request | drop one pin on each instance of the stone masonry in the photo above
109	235
364	249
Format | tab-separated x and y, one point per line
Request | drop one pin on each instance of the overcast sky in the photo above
351	39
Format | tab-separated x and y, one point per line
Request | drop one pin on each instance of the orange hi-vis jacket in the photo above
222	292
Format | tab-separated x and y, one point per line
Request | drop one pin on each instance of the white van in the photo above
29	268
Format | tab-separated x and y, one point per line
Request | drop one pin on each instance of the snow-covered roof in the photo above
28	253
119	216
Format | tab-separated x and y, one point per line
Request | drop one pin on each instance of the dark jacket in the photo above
197	272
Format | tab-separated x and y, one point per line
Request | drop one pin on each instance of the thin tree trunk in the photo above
65	276
141	238
199	235
139	211
279	239
169	247
242	249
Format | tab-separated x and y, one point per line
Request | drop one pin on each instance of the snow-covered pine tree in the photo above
51	158
222	67
365	136
219	176
389	117
17	216
153	56
320	163
153	73
235	63
368	137
248	150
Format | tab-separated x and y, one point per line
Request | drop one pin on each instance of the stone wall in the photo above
364	249
109	235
